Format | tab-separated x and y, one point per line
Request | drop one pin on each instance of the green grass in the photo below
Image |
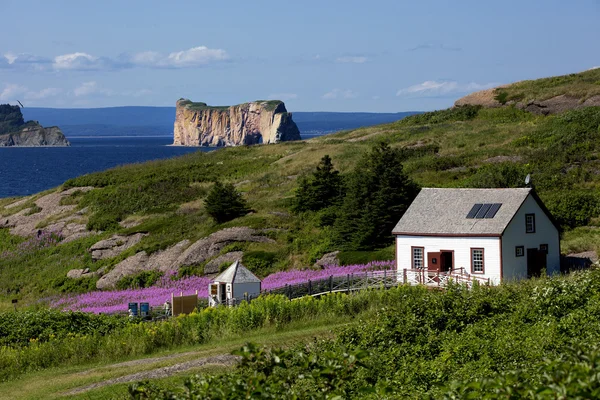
582	85
269	105
52	383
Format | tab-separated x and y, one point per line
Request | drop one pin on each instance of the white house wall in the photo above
545	233
462	252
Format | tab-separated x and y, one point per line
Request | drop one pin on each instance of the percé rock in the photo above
14	131
197	124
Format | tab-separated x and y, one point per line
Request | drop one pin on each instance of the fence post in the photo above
330	283
404	276
309	287
385	279
348	281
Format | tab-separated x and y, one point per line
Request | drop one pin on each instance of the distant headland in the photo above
15	132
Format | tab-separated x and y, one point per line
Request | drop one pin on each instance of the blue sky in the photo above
377	55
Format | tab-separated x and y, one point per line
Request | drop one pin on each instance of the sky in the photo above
326	55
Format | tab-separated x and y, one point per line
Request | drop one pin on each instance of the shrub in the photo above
225	203
460	113
501	175
573	208
142	279
259	262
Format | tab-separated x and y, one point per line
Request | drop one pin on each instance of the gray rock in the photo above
210	246
114	246
130	266
328	259
75	273
212	267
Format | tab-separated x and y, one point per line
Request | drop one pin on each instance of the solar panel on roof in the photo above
493	210
474	211
483	210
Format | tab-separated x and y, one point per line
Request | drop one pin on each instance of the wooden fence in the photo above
376	279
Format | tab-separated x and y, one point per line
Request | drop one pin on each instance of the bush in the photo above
143	279
259	262
460	113
501	175
324	188
572	208
224	203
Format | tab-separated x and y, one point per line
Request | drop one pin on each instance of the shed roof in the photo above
441	212
236	273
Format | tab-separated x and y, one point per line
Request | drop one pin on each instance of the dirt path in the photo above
223	360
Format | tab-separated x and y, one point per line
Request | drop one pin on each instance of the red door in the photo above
434	261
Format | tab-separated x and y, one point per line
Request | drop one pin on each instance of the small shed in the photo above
233	285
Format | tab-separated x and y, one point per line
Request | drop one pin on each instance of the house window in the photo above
544	248
519	251
477	263
417	257
529	223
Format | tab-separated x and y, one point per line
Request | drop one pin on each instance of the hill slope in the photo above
163	200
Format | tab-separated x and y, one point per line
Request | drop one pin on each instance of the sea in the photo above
29	170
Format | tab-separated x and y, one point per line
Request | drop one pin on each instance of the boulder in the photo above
114	246
211	246
212	267
328	259
130	266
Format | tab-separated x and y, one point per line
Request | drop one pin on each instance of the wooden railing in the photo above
376	279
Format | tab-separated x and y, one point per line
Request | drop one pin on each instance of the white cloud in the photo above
91	88
351	59
283	96
43	94
194	57
11	91
82	61
340	94
441	88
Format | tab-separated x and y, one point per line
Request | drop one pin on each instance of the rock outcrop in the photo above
197	124
15	132
114	246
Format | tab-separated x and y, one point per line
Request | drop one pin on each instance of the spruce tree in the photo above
224	203
377	195
322	189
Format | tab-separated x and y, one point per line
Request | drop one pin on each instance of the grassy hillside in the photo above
461	147
581	86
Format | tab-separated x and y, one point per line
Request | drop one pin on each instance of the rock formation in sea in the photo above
197	124
14	131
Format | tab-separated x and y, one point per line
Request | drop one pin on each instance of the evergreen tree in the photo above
322	189
378	194
224	203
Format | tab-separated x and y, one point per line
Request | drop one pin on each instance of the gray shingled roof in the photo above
444	211
236	273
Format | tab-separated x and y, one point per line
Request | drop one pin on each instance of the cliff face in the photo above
197	124
35	135
14	131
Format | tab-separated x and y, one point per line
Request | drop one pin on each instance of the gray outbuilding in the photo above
233	285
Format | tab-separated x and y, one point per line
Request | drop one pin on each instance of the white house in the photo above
233	285
496	234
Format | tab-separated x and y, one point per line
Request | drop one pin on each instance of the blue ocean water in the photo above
28	170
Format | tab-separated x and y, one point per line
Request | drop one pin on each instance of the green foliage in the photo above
11	119
501	96
460	113
259	262
364	257
324	188
535	339
378	194
67	285
224	203
142	279
501	175
21	328
573	208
